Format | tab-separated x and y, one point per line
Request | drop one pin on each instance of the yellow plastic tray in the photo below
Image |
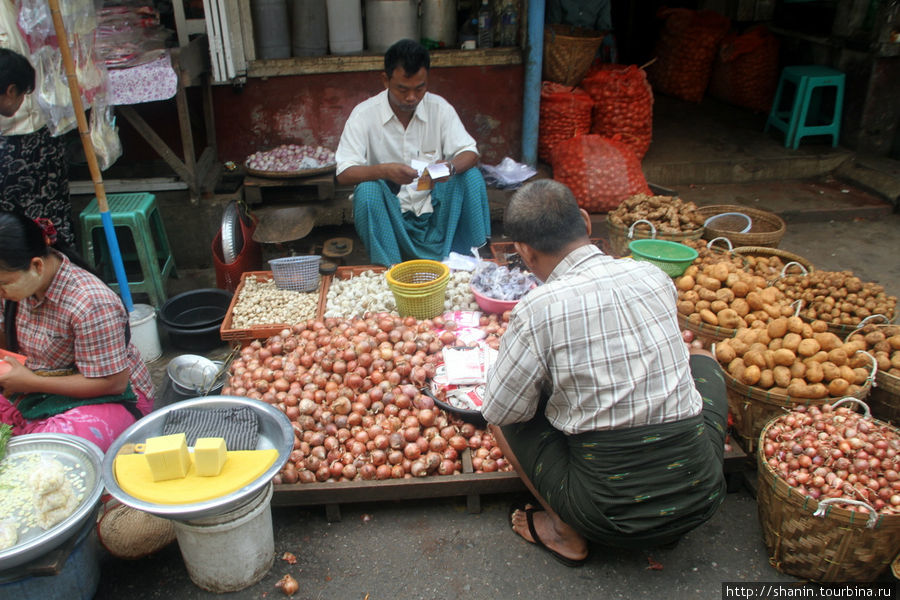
241	467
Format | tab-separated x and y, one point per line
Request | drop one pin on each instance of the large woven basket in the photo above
884	400
753	407
784	255
569	52
831	544
620	236
766	228
705	332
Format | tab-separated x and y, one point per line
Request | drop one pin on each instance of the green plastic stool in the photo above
808	83
143	243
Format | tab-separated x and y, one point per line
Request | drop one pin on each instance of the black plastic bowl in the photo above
194	340
195	309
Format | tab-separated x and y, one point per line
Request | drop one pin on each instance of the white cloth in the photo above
29	117
373	135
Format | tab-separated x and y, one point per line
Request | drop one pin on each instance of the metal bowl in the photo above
73	452
192	372
275	431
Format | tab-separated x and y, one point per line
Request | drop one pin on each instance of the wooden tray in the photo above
257	332
343	273
290	174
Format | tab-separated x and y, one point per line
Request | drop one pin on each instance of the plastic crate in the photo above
297	273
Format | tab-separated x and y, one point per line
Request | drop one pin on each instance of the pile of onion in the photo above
827	452
351	389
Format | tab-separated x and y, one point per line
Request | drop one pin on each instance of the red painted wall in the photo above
311	109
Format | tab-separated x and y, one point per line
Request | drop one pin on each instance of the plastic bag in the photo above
105	136
508	174
565	112
502	283
685	51
745	72
601	172
623	104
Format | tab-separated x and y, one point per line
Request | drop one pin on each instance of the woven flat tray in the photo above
291	174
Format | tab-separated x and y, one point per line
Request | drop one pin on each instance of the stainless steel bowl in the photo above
275	431
192	372
74	453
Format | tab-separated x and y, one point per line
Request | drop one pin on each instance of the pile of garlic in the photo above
369	292
262	303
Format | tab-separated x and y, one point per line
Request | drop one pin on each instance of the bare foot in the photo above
553	532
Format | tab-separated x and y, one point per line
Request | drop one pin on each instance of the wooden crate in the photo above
344	273
332	494
257	332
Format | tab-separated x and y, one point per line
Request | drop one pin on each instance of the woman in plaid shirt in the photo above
614	428
82	375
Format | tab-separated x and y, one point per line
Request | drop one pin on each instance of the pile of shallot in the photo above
352	390
290	158
827	452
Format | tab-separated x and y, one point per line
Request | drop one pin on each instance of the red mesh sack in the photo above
745	71
623	104
565	112
685	51
601	172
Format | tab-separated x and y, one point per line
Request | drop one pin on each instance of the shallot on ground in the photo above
291	158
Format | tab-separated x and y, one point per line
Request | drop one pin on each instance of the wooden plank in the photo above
308	65
116	186
187	138
246	18
434	486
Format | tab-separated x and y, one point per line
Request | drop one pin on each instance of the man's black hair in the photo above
545	215
409	55
15	70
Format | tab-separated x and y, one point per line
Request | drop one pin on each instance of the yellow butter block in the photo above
209	456
167	456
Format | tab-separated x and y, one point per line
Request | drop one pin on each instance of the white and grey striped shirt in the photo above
600	339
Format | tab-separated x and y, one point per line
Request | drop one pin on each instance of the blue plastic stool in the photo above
808	83
142	239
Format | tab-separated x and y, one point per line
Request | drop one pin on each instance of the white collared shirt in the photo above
373	135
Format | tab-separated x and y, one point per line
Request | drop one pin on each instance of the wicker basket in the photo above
297	273
419	287
619	236
706	333
766	229
821	541
753	407
569	52
884	399
787	257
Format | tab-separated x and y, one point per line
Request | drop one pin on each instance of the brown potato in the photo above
709	316
740	306
755	301
838	356
818	326
755	358
795	324
725	352
751	375
819	357
792	341
740	289
784	357
776	344
894	341
777	328
798	369
685	307
720	271
831	370
717	306
725	295
782	376
808	347
814	372
685	283
769	295
728	318
838	387
827	340
807	330
861	376
847	373
766	379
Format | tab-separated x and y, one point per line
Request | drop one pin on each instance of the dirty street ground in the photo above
435	549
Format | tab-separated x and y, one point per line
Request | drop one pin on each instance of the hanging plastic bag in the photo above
508	174
601	172
105	136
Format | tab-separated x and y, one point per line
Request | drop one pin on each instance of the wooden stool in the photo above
143	242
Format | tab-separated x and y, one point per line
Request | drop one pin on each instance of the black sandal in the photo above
529	517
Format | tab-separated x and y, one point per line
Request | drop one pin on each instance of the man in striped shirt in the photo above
614	428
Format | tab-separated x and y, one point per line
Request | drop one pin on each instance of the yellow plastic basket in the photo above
419	287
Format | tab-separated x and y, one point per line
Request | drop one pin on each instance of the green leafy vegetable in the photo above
5	434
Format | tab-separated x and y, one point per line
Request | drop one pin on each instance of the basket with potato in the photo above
661	217
882	340
839	298
717	298
788	362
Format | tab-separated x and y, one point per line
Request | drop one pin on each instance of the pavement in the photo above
838	218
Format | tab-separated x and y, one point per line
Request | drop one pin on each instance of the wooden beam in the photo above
310	65
158	144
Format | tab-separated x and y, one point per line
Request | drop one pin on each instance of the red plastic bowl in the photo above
492	306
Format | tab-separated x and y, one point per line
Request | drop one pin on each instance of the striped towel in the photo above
239	426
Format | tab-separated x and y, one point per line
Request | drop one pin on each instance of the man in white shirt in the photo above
387	138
